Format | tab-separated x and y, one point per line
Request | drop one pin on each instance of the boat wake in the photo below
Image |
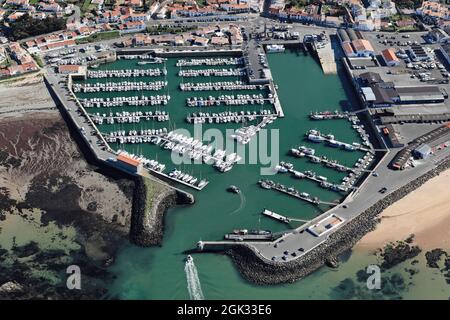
193	282
241	205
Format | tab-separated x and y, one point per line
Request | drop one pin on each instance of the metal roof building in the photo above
422	151
343	35
352	34
420	94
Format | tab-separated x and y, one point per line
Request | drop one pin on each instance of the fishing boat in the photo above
189	258
272	48
315	138
233	189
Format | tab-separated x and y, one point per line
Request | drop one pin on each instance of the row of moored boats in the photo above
121	101
209	62
127	73
119	86
211	72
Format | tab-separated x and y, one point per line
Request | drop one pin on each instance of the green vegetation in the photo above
297	3
33	2
107	35
86	5
165	29
153	189
5	62
26	26
201	3
38	60
408	4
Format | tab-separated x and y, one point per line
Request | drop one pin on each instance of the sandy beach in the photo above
425	213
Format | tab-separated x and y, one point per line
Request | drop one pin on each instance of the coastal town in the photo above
134	80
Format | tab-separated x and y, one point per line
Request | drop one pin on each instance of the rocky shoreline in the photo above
264	272
147	221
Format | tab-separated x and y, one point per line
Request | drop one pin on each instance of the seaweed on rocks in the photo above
396	253
434	256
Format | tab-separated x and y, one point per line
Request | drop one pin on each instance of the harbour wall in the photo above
264	272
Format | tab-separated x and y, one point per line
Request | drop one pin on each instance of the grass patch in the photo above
34	1
100	36
38	60
86	5
153	189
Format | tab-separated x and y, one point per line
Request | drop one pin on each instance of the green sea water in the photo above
158	273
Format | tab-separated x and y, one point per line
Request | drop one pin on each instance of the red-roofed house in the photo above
390	58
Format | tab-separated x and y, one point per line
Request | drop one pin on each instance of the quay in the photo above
325	54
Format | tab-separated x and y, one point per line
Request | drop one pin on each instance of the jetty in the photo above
219	86
209	62
228	117
328	115
268	184
276	216
211	72
317	137
228	100
128	117
244	135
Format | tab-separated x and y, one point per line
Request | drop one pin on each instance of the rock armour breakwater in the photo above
264	272
147	223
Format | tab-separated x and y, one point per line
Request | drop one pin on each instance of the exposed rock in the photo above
395	253
11	287
332	262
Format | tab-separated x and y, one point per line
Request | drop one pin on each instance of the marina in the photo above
228	212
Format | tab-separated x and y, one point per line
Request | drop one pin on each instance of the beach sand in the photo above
424	212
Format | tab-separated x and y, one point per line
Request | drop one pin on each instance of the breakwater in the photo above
149	208
265	272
